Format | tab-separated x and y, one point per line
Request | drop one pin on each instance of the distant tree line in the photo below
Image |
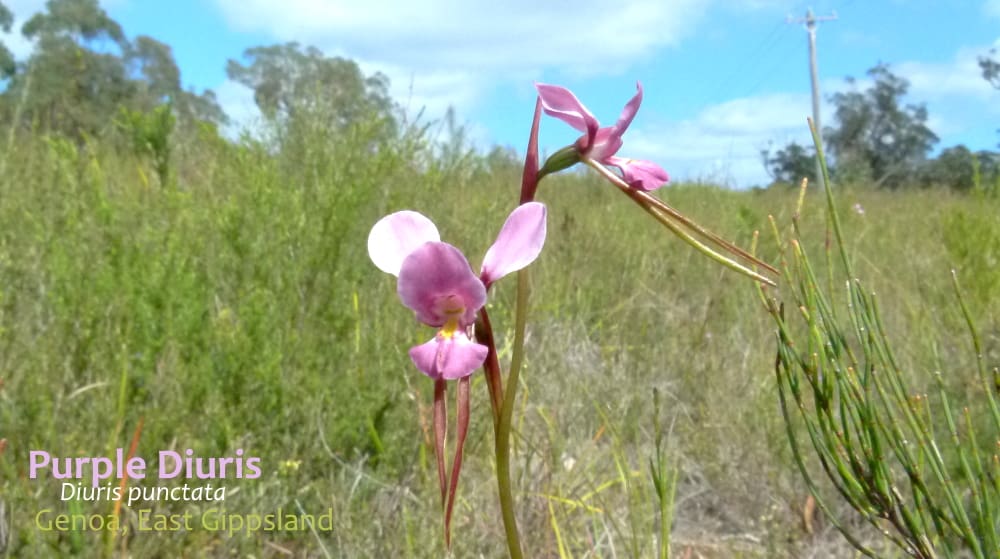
85	78
84	71
877	140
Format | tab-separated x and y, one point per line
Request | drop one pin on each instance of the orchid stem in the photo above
506	419
529	185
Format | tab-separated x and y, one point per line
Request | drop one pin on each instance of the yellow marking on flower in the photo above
450	327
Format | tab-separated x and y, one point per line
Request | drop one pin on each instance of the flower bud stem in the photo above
666	215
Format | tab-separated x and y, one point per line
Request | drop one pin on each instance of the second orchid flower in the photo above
601	144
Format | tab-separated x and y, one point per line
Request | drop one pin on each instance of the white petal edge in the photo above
396	235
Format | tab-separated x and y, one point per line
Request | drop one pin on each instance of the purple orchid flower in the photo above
438	284
601	144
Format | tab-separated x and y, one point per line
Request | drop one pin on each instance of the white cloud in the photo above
723	142
746	116
473	34
992	8
448	52
960	77
432	90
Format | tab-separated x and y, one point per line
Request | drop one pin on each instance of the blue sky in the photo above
722	79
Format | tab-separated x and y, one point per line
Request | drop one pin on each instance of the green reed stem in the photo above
506	420
874	438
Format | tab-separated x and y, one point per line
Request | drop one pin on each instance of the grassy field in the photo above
235	307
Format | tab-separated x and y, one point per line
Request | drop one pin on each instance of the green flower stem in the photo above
502	425
506	420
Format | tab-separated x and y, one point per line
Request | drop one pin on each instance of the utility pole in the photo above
810	20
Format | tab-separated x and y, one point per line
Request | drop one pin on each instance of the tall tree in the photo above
791	164
82	21
84	72
7	64
159	81
289	81
154	62
956	168
78	80
876	134
990	68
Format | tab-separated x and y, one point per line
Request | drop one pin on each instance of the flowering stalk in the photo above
529	185
437	283
506	419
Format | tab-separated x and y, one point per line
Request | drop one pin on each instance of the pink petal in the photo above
395	236
641	175
435	279
448	358
608	140
606	143
560	102
628	113
518	244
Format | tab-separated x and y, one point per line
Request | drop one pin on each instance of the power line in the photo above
810	20
755	54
